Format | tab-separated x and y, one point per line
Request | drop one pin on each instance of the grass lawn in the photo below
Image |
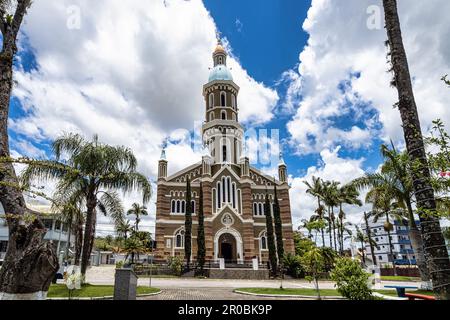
299	291
399	278
90	291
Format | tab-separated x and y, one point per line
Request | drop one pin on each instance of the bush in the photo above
119	265
294	266
351	280
176	265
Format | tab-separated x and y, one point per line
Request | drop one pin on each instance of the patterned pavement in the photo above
205	294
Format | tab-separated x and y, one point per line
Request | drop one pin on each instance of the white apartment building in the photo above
402	251
57	231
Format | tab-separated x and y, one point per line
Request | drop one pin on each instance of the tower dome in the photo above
220	72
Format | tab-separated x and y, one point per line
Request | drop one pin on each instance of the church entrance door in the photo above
227	248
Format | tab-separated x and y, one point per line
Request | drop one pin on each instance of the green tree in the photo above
435	249
188	225
372	244
395	177
315	189
132	247
270	237
381	199
314	264
351	280
123	228
330	197
201	249
138	211
346	194
92	175
33	254
362	238
302	244
278	229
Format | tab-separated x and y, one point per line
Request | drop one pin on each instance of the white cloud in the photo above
332	167
341	45
133	73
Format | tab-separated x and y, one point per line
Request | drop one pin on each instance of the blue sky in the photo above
138	80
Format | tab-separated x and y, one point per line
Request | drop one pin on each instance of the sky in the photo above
316	71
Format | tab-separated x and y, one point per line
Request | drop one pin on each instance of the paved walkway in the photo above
202	294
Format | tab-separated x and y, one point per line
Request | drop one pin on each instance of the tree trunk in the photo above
321	217
88	230
436	253
362	252
417	245
78	241
30	263
369	236
330	223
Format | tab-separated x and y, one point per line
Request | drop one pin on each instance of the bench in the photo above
413	296
401	290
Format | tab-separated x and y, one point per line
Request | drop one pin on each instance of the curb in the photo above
379	295
287	296
107	297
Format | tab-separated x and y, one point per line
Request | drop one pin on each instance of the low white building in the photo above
57	232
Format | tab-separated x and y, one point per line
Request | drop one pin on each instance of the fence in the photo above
401	271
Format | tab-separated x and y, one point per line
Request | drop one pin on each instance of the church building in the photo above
233	191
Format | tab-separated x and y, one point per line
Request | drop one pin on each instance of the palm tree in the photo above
315	189
329	196
395	176
363	239
137	210
436	251
347	194
384	207
123	228
133	246
91	175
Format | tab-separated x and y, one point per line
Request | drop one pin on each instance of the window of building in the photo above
173	206
263	241
211	100
178	206
168	243
224	115
48	223
179	239
193	206
224	155
233	101
223	99
211	116
380	258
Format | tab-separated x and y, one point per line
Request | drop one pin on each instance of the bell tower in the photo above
221	132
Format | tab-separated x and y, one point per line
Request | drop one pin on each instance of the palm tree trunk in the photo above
362	252
436	253
417	245
320	217
369	236
391	252
87	239
30	263
329	228
78	240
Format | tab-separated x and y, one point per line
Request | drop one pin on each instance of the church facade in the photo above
233	191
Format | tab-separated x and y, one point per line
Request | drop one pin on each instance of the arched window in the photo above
219	195
233	194
178	206
211	116
220	60
179	239
233	101
224	115
224	154
263	241
260	209
223	99
193	206
183	207
255	209
173	206
211	100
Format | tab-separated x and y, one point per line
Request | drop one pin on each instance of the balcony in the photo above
404	262
402	232
407	251
404	241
